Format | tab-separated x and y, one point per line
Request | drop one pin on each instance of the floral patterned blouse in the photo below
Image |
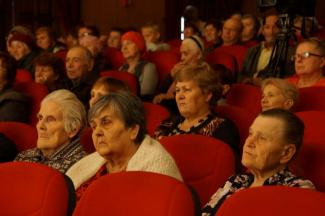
241	181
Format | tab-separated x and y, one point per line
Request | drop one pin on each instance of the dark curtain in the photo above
208	9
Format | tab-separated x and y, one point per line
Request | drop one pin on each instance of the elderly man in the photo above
79	65
61	118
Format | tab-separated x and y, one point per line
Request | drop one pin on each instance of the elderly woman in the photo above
49	70
119	136
197	91
133	46
14	106
192	51
274	139
104	86
309	63
278	93
61	118
45	39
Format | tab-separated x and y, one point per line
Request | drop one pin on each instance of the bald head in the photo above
231	31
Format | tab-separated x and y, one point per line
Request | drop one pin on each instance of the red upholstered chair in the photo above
37	92
310	161
86	140
126	77
247	97
274	200
155	114
137	194
204	162
23	135
240	117
31	189
164	61
23	76
311	98
222	58
237	51
114	57
62	54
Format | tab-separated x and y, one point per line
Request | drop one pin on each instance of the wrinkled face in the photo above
97	92
114	40
43	40
129	49
19	50
110	136
76	63
150	35
308	65
190	98
264	145
211	33
248	30
45	74
231	32
190	54
273	97
270	29
50	128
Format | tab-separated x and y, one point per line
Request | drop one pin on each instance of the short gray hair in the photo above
74	113
128	107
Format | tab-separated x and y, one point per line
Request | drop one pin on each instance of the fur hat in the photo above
136	38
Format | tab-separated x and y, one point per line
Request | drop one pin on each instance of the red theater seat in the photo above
311	98
155	114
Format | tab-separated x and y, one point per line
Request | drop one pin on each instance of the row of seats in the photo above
137	193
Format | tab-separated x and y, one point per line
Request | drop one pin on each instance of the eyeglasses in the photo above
304	55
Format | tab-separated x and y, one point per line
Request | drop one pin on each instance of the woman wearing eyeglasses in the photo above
309	64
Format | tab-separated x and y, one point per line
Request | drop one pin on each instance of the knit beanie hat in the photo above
136	38
28	40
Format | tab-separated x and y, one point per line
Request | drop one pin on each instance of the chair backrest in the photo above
223	58
114	57
311	98
23	76
155	114
247	97
37	92
274	200
164	61
237	51
86	140
240	117
126	77
23	135
137	194
204	162
310	161
31	189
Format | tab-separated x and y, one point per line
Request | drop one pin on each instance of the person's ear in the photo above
288	104
73	132
90	64
134	130
287	153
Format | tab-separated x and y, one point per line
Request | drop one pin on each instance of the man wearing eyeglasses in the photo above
309	64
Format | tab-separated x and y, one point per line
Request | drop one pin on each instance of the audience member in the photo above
61	119
114	37
151	34
85	30
14	30
79	64
231	31
45	39
49	70
190	30
309	63
212	35
104	86
23	49
274	139
197	91
278	93
133	46
119	136
14	106
251	26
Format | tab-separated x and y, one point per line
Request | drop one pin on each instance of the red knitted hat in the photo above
29	41
136	38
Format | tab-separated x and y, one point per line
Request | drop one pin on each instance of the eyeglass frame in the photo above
305	55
